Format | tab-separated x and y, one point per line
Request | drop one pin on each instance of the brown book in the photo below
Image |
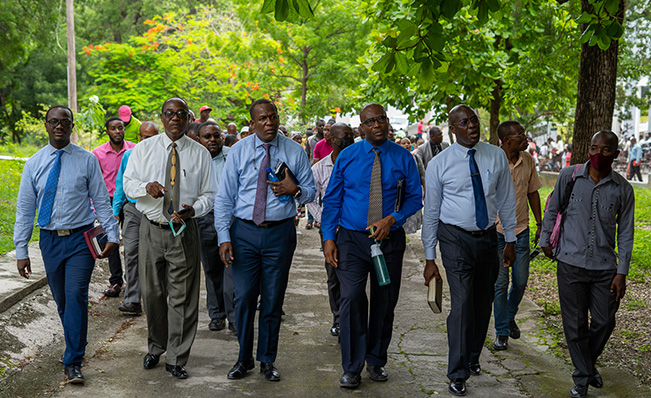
435	295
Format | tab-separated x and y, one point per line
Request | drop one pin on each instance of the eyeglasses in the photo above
65	123
182	114
209	136
464	122
371	122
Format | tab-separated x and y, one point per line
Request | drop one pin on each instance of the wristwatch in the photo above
298	193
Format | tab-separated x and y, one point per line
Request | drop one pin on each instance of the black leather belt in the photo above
267	224
67	232
476	233
160	225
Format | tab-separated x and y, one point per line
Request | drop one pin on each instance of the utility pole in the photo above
72	68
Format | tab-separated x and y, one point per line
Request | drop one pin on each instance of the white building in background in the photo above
638	124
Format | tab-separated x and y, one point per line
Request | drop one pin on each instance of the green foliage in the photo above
458	54
635	305
11	171
602	23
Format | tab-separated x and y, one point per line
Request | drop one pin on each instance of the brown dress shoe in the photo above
113	290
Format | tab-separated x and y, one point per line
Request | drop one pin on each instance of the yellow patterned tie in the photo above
171	200
375	196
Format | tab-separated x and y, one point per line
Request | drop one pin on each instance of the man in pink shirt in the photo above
110	156
323	148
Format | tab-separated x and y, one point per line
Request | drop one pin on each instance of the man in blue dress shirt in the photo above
468	175
60	181
349	212
256	231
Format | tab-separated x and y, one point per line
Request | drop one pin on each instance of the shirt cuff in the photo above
22	252
430	253
509	236
223	236
399	218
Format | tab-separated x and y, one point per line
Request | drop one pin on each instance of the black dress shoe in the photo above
239	370
150	361
458	387
131	308
217	324
596	381
578	391
268	369
73	374
475	369
334	330
178	371
377	373
501	343
350	380
232	327
515	330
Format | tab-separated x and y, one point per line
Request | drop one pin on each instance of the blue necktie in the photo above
481	212
45	212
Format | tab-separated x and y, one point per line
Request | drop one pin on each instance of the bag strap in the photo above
568	190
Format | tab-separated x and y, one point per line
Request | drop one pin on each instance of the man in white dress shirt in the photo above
468	175
172	179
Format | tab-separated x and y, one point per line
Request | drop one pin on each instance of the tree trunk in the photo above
305	70
495	112
596	91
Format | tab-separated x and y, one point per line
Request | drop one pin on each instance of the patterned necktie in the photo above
45	212
481	212
260	205
375	196
171	200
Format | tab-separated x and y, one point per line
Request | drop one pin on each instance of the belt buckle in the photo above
63	232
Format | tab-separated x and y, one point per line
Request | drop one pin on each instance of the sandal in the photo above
308	225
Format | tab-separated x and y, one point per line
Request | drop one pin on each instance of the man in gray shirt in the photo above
600	207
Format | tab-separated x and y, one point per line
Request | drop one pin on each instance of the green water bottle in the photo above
380	264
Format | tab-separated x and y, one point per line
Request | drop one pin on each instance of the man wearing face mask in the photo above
590	277
342	136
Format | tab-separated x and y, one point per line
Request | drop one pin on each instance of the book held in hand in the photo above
435	295
96	240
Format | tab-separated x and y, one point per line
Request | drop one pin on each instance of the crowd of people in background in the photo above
230	200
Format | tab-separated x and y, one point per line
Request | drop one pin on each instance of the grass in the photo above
10	170
18	150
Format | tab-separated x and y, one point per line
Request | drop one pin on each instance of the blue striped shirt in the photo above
80	181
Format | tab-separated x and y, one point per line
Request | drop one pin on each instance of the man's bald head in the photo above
147	130
608	136
458	112
339	129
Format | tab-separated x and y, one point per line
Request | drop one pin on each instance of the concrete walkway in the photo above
309	359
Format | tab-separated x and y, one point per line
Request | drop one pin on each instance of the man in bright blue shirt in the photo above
60	181
348	215
256	231
130	229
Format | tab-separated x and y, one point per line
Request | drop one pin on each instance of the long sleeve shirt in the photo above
118	196
148	163
346	200
239	181
80	181
596	215
322	171
109	161
635	153
449	196
218	163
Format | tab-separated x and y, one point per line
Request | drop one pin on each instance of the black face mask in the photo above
345	142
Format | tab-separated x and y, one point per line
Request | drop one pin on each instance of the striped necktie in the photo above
375	196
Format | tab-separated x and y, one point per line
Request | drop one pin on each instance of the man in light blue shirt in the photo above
130	229
635	160
219	282
468	175
60	181
256	231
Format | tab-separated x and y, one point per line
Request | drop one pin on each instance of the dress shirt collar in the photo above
462	150
67	149
222	154
258	142
180	143
368	147
584	171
